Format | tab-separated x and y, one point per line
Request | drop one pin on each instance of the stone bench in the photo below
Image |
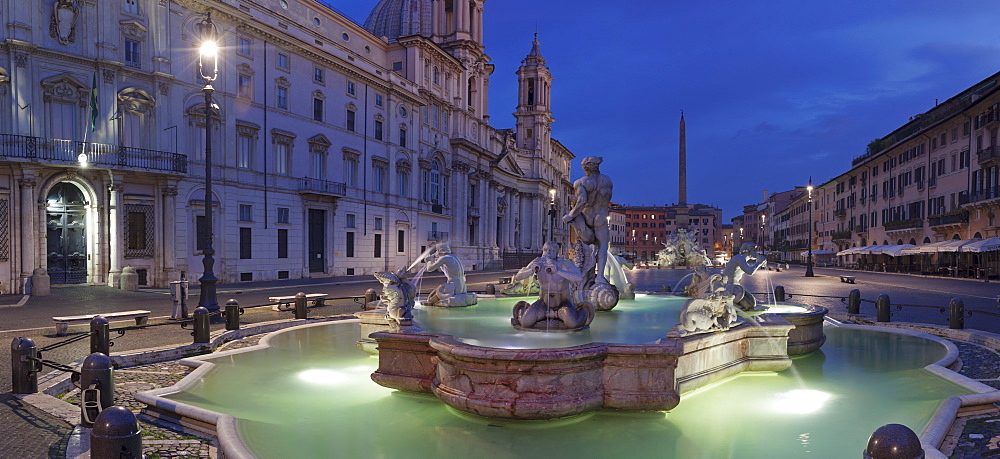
62	323
280	301
847	279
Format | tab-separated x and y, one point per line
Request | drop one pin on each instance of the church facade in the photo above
338	148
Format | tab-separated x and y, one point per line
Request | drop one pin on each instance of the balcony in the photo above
951	219
322	188
988	156
67	152
841	235
932	182
908	224
437	235
985	194
840	213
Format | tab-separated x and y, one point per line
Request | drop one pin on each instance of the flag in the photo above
93	104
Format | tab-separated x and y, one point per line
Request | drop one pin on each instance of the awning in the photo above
954	245
819	252
861	250
893	250
982	245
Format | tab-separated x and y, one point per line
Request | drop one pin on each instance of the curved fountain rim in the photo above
232	444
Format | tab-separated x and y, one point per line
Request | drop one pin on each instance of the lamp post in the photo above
552	214
208	67
809	259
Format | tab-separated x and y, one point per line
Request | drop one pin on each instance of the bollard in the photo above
779	293
23	372
893	441
956	315
854	302
300	306
882	308
491	289
179	295
99	339
97	387
201	329
116	433
370	295
232	314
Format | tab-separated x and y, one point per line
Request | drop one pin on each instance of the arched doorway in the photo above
66	241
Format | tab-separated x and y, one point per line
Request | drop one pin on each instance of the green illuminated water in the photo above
643	320
310	395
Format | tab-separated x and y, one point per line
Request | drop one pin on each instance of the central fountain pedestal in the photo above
559	382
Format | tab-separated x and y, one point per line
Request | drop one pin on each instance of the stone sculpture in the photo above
399	295
453	292
718	300
615	272
555	309
588	218
526	286
62	26
681	249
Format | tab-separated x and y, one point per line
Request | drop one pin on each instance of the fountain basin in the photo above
807	334
557	382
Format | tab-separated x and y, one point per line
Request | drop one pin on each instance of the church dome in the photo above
399	18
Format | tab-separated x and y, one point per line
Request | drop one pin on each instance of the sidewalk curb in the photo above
24	299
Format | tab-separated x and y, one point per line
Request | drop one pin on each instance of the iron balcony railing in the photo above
949	218
323	186
99	154
840	213
904	224
437	235
841	235
988	154
991	192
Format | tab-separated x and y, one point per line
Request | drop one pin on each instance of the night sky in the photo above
773	91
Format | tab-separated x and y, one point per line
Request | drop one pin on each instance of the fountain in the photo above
452	293
682	249
558	372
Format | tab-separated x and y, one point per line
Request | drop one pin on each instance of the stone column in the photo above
169	239
28	232
114	232
460	229
491	213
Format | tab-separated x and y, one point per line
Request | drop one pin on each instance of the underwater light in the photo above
322	376
801	401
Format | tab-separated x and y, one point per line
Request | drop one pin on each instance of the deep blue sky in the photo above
773	91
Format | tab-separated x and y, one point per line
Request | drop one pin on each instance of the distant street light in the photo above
809	259
208	67
552	214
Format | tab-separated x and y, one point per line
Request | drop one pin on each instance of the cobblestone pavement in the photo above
27	432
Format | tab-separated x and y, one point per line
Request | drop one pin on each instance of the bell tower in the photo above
534	113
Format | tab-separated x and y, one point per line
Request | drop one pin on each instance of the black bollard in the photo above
201	329
893	441
116	433
370	295
232	314
779	293
97	387
882	308
956	315
854	302
99	339
23	372
301	312
491	289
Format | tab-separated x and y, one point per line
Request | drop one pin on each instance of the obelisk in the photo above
682	167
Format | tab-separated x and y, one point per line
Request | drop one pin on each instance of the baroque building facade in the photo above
338	148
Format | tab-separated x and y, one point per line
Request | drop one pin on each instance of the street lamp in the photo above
552	214
809	259
208	67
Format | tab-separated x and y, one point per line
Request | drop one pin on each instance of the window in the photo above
245	86
245	244
378	130
318	75
350	120
402	137
246	213
136	231
282	243
378	174
244	151
282	215
351	172
132	54
378	223
378	246
244	46
351	221
318	164
282	156
318	109
282	97
132	6
432	184
284	63
351	88
437	76
397	66
400	241
402	183
378	100
349	251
